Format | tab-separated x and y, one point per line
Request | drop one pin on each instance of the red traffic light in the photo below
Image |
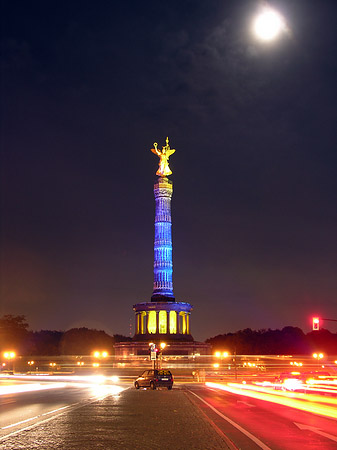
315	323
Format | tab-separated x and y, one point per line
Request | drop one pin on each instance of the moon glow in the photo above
268	25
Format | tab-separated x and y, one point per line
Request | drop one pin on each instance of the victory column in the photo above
162	319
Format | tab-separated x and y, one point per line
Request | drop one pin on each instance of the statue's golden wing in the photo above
170	151
154	150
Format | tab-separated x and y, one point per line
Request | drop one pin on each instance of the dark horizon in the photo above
86	91
16	336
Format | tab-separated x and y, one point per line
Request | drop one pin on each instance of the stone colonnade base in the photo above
148	322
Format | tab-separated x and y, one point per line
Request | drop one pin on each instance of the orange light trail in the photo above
311	385
294	395
305	402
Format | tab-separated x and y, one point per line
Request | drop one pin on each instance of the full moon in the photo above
268	25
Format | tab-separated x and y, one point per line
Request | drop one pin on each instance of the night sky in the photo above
87	87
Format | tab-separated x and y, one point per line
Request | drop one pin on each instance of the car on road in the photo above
155	378
297	381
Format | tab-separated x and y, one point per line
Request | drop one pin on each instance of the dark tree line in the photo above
15	335
288	341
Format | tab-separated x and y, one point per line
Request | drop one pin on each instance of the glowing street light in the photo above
268	25
295	363
162	345
100	354
221	354
10	356
30	363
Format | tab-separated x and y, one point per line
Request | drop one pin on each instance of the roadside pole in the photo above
153	355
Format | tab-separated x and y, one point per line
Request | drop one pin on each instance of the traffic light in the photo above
315	323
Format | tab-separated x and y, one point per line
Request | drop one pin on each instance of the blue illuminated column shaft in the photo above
163	267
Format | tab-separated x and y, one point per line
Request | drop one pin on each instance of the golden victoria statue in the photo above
164	155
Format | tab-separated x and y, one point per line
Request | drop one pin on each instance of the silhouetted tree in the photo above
46	342
83	341
13	333
288	341
322	341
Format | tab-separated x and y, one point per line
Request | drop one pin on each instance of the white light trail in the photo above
17	388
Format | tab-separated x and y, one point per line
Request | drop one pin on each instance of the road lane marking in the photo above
73	405
59	409
246	403
29	427
12	425
302	426
62	408
231	445
234	424
19	423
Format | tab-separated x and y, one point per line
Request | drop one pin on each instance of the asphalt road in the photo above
19	409
190	416
253	424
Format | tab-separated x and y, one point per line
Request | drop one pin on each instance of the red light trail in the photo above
316	404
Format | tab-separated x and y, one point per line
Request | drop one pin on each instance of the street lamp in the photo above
31	364
318	356
219	354
10	356
100	354
162	345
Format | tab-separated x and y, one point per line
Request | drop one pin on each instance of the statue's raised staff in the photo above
164	155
